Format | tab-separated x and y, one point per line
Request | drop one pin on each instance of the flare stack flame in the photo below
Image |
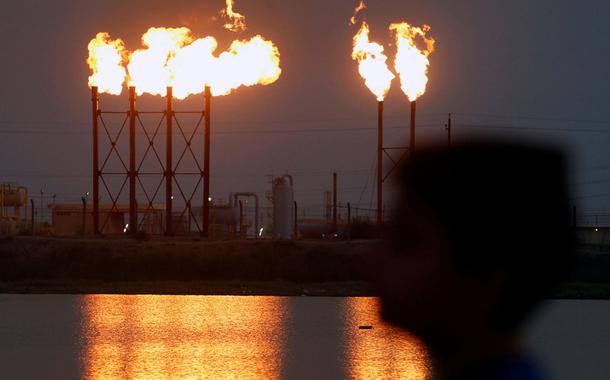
411	62
148	67
238	21
361	6
106	58
372	63
173	57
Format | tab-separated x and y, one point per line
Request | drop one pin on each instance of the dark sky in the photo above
511	65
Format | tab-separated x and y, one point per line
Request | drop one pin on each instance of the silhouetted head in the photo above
481	235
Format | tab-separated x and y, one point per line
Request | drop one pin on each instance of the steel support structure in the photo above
133	171
96	160
169	154
133	210
205	232
412	127
382	150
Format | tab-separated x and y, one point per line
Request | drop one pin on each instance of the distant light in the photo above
126	228
210	199
260	232
172	197
597	230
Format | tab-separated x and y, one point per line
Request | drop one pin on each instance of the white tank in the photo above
14	196
283	208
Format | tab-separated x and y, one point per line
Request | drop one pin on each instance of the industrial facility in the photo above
13	208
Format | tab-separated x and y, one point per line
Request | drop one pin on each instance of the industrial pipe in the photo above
235	196
206	163
290	179
449	132
96	165
412	137
335	202
241	220
84	200
296	220
169	168
32	216
133	217
379	162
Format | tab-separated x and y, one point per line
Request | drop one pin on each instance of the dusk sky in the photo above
523	69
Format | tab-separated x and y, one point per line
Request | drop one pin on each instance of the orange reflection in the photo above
175	337
383	352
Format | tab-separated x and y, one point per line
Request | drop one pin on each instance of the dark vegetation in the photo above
329	267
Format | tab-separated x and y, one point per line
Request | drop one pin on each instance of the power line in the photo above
536	118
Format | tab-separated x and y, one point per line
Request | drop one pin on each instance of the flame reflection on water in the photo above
184	337
161	337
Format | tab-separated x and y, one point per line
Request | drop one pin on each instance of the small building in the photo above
69	219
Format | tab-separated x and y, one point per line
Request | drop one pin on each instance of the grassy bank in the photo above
183	267
316	268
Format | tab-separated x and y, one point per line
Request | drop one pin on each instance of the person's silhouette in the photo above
481	236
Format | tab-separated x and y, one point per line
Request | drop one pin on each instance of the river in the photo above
211	337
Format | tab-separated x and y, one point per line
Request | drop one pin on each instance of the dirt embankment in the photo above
184	267
329	268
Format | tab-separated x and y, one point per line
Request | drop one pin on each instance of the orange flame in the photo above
411	62
372	63
238	21
361	6
148	68
172	57
105	61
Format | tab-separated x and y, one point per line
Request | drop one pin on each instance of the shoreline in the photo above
332	268
572	291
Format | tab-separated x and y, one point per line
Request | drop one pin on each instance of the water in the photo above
158	337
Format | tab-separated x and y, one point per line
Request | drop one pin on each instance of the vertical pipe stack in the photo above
449	131
335	202
206	163
412	130
296	221
133	216
96	164
380	163
169	168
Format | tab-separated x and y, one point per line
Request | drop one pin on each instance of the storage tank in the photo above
13	195
13	199
283	207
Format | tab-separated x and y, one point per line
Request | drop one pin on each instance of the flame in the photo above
148	68
247	63
372	63
411	62
361	6
238	21
105	61
172	57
